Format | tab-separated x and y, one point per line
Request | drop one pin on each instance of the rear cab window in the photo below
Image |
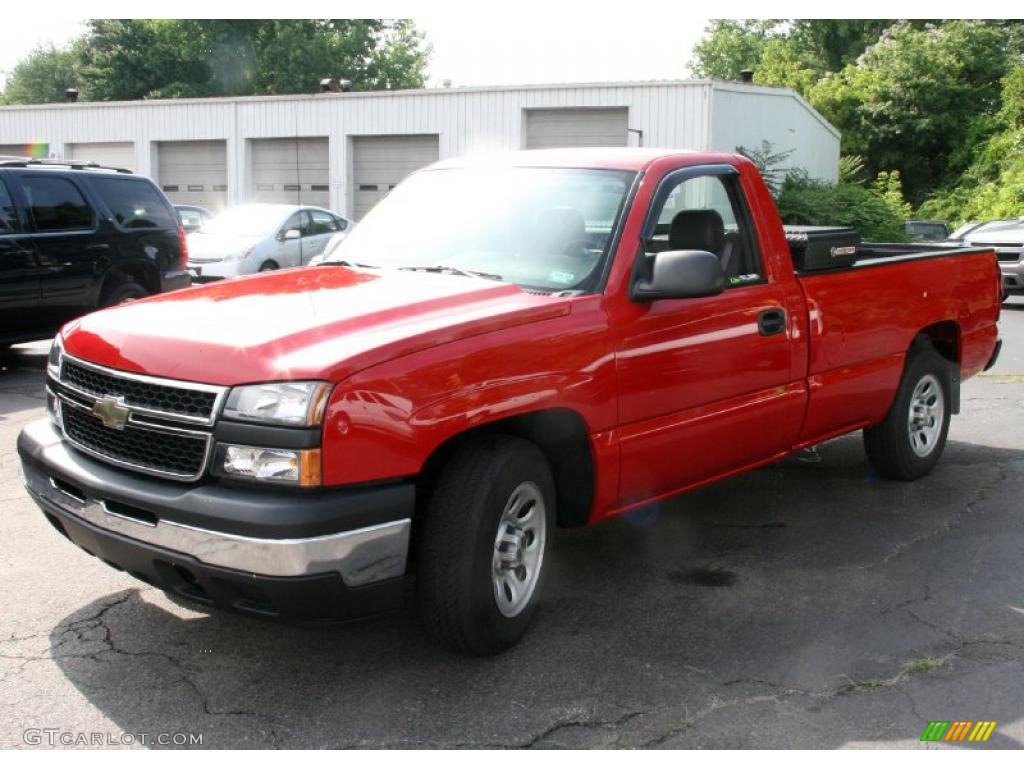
135	203
56	204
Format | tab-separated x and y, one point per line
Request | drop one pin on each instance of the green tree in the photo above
41	77
911	100
729	46
124	59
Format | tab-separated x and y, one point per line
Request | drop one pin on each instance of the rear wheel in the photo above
482	544
127	291
908	444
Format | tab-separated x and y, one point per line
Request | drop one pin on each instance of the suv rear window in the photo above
135	203
8	216
56	204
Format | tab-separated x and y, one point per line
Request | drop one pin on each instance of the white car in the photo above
260	237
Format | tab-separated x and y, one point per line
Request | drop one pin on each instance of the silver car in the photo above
1008	242
260	237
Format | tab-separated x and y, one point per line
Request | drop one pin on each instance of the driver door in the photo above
706	383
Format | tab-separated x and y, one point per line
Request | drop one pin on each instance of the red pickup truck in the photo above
505	344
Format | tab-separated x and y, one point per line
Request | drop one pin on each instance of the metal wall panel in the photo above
743	116
681	114
193	172
292	171
380	162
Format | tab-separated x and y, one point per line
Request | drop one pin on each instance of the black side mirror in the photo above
680	275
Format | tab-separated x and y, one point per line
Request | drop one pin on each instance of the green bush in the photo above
874	214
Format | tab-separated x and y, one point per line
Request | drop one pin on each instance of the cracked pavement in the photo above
807	604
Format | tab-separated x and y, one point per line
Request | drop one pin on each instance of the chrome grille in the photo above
179	455
165	429
191	402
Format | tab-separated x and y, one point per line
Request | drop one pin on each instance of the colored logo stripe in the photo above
982	731
958	730
935	730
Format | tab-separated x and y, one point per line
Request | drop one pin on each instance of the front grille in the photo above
1007	256
171	400
146	449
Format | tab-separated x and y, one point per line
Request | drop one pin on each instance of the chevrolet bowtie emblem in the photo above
111	411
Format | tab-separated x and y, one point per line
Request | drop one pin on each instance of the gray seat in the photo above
703	230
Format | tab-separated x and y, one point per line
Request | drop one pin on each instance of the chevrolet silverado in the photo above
503	345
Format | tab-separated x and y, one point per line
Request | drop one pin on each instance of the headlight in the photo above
276	465
292	403
56	353
238	255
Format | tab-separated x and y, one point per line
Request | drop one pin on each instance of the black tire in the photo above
268	266
456	542
126	291
889	445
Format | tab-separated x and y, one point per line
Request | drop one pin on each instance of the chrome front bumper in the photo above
61	480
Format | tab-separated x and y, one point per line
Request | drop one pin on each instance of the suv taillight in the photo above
183	247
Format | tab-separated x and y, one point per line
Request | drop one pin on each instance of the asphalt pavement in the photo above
808	604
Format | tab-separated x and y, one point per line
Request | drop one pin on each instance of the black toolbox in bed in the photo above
819	248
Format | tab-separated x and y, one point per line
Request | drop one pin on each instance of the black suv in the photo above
75	237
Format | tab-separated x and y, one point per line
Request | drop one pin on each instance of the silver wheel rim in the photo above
927	414
519	549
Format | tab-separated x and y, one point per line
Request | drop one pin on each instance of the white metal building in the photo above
347	150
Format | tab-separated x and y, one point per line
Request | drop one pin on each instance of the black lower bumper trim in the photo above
321	598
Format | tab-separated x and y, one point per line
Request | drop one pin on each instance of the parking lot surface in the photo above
807	604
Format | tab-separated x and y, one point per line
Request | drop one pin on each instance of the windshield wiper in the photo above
446	270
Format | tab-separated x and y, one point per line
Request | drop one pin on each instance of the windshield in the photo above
543	228
247	220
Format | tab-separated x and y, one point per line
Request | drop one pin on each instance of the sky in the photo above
473	50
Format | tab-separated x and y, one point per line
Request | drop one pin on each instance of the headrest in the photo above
698	230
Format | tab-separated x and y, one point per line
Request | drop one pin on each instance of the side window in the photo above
56	204
134	203
8	215
323	223
707	213
341	223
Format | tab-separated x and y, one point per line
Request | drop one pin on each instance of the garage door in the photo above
113	154
380	162
576	128
194	172
291	171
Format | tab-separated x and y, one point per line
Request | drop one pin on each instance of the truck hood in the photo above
307	323
1001	236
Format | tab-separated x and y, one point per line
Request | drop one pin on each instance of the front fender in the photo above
386	421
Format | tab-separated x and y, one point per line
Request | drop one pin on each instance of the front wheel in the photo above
482	544
908	444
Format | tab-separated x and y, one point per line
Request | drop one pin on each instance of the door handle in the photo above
771	322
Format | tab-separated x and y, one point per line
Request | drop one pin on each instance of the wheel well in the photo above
945	337
270	261
136	273
561	435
